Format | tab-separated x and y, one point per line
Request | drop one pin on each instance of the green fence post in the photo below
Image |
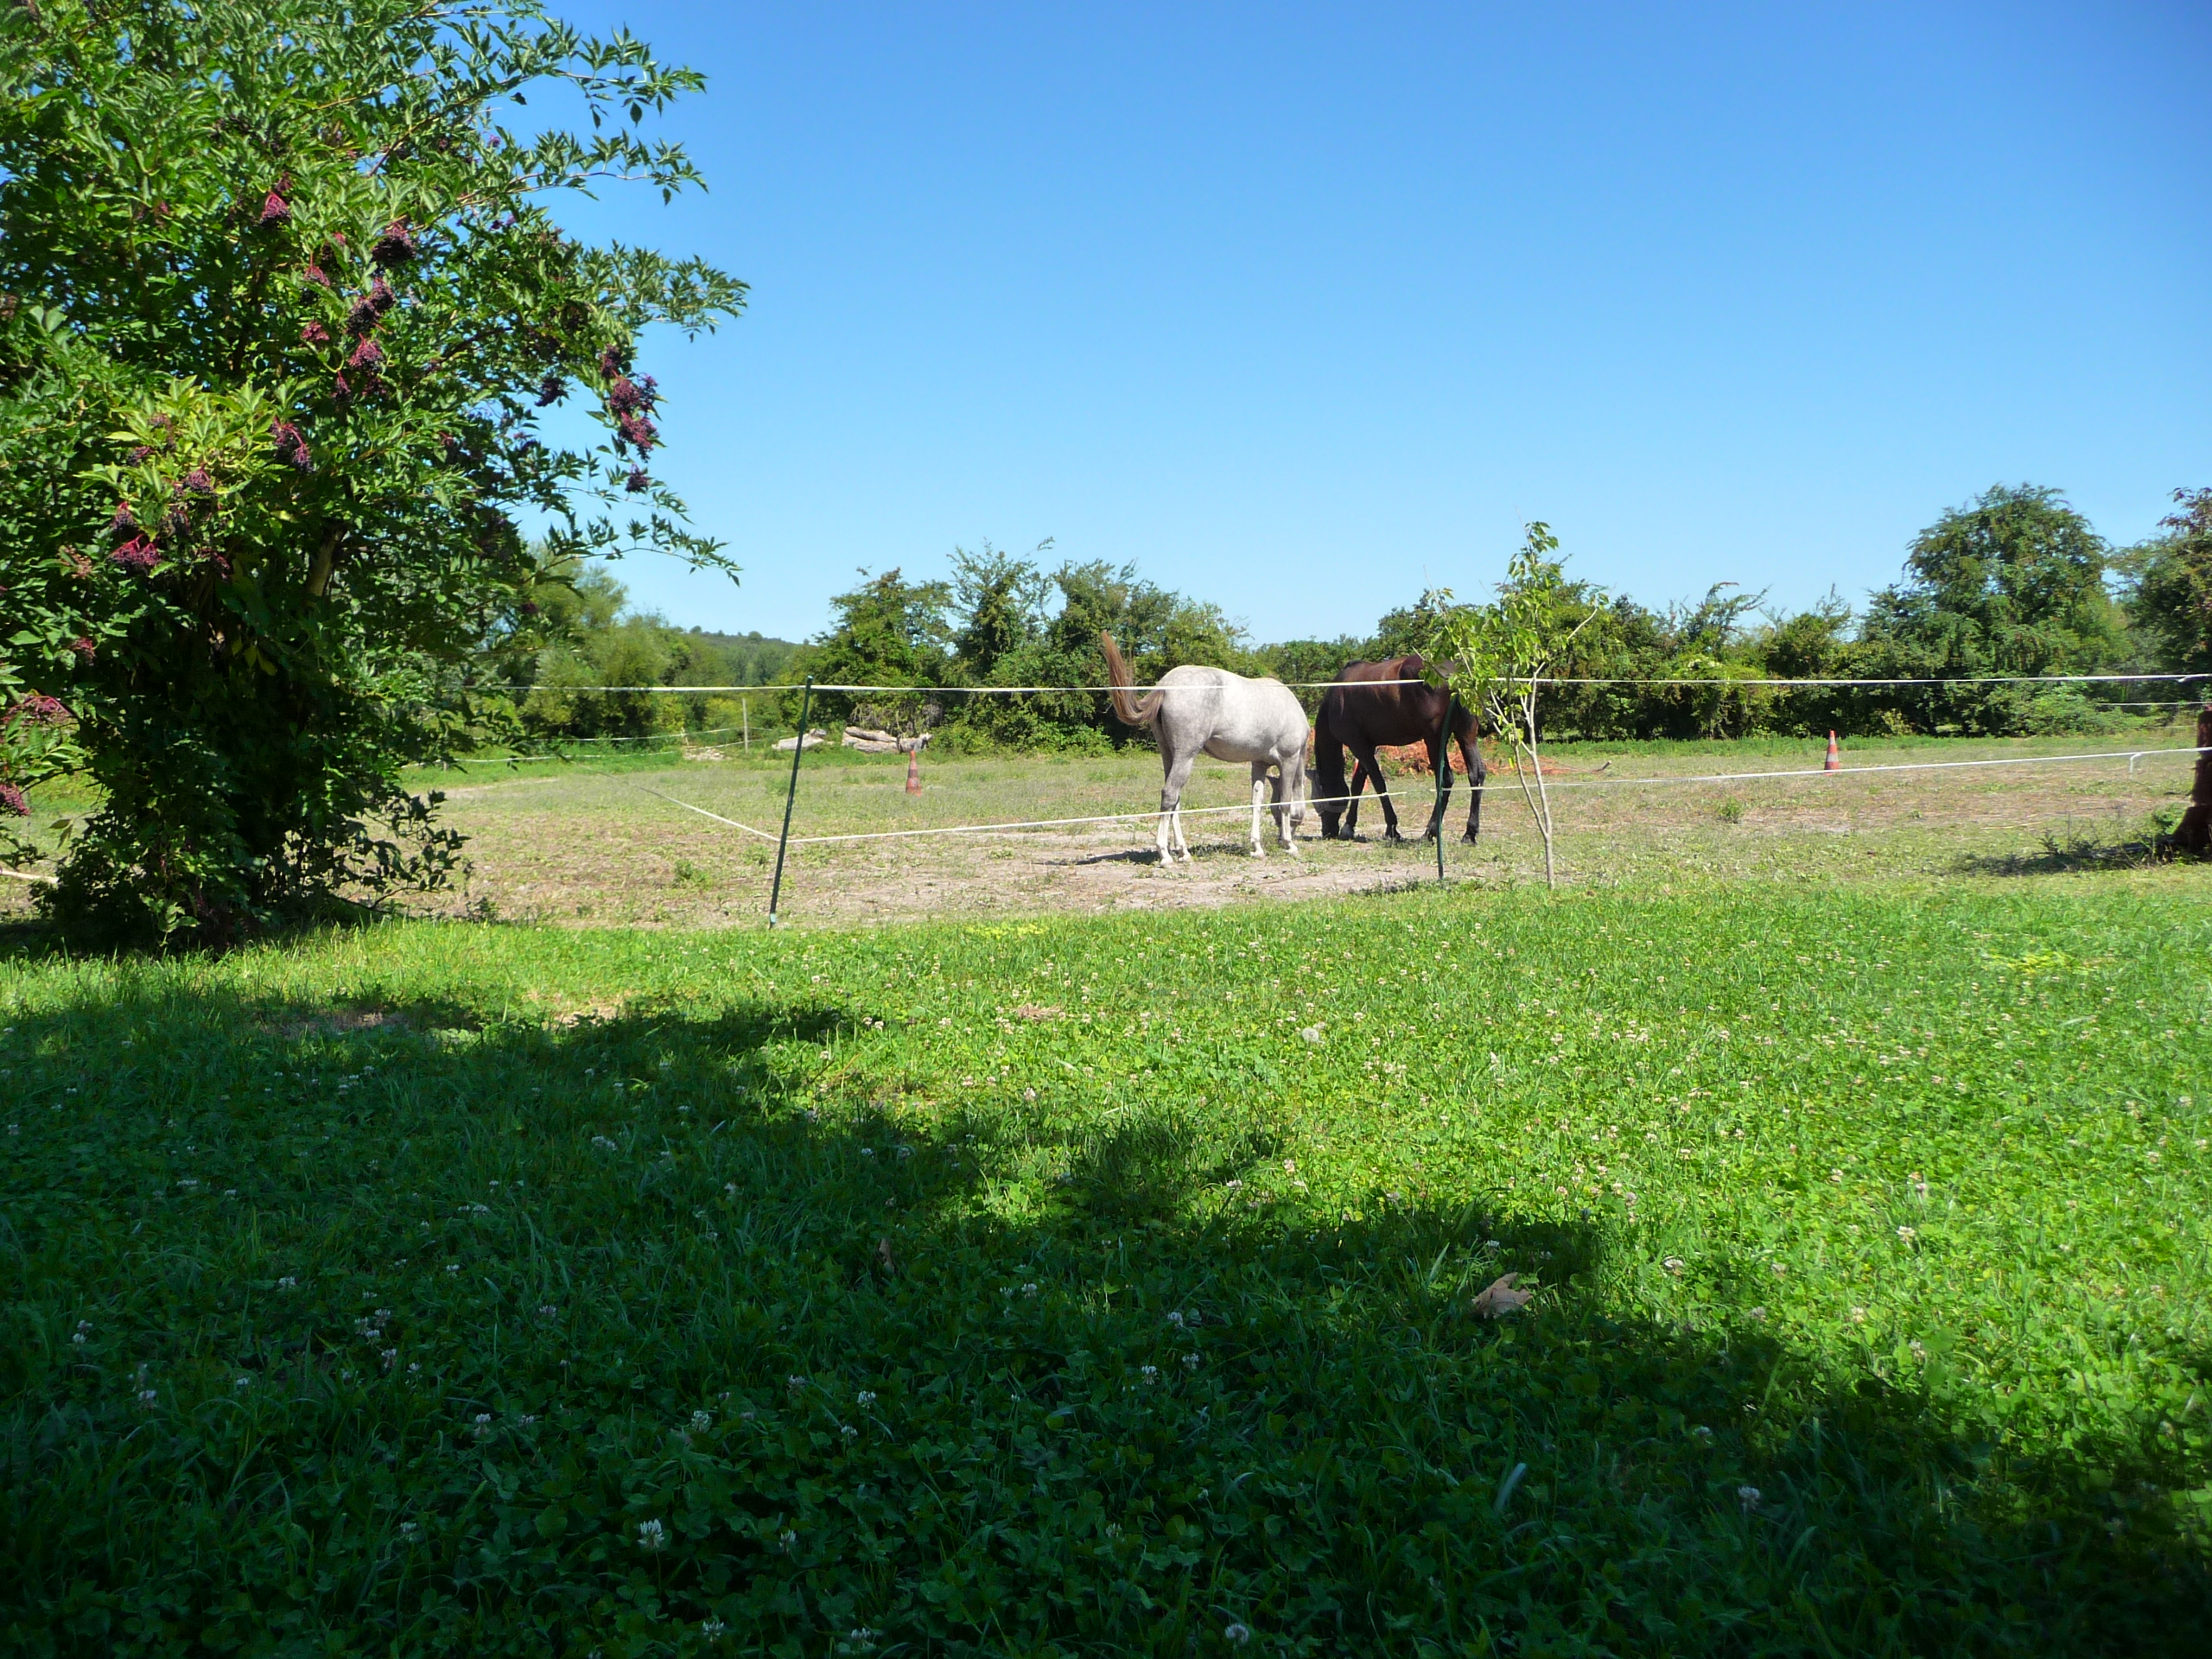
1443	772
790	794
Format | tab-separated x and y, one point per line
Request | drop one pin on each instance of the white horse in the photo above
1223	715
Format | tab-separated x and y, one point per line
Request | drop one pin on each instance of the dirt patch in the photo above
592	851
340	1022
579	848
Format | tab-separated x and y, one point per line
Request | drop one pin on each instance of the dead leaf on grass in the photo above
1037	1011
1499	1298
883	1255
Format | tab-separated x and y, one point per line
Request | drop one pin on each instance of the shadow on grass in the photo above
2068	853
450	1329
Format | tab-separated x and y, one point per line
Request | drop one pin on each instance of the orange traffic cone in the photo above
1833	763
914	770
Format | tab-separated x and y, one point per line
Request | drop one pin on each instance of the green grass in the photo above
1046	1286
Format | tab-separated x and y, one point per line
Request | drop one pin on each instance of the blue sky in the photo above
1303	309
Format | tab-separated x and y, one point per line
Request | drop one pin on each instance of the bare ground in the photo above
597	846
594	849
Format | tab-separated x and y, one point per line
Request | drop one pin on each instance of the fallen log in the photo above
870	740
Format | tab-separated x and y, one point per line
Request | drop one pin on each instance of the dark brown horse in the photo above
1367	711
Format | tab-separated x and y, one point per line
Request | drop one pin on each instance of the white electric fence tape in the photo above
2130	756
1323	685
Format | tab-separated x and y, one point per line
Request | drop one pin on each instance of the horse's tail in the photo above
1133	710
1328	756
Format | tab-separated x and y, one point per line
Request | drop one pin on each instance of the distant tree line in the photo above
2015	582
533	677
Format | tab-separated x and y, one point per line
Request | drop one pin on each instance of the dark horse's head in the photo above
1324	778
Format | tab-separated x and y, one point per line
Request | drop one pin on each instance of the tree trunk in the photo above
2194	835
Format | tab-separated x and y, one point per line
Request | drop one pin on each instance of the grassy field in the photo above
1018	1286
607	843
604	842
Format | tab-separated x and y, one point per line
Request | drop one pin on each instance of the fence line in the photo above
1323	685
2130	756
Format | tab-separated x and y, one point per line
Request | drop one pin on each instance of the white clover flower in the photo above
288	1283
1758	1313
1150	1373
864	1398
712	1628
1175	1319
701	1422
651	1536
1907	1234
1749	1497
242	1382
1239	1634
1190	1362
602	1143
849	1432
147	1396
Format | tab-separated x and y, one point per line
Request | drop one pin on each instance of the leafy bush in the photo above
281	309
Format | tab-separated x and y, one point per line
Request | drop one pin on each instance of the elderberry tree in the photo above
281	313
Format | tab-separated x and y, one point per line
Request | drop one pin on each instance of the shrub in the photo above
282	312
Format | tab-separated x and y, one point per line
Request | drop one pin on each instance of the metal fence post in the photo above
1443	772
790	794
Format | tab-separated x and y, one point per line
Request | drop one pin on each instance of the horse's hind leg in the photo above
1478	774
1170	806
1289	809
